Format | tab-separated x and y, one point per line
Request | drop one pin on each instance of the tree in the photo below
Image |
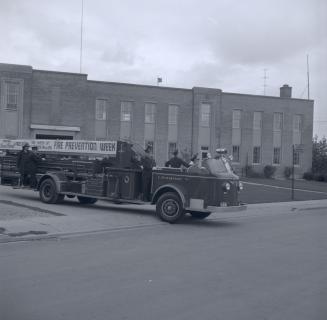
319	156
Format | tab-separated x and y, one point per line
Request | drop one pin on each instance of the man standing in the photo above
176	162
27	166
147	163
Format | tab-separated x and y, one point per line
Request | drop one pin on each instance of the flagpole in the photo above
81	47
308	78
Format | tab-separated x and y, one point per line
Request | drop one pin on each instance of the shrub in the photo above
308	175
319	177
287	172
250	173
248	170
269	171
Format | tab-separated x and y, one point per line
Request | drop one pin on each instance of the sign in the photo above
63	146
298	147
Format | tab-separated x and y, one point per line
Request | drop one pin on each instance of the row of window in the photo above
256	156
205	112
257	121
101	110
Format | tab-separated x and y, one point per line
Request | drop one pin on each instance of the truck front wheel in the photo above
48	192
169	207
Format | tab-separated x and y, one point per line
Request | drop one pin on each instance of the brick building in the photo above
256	130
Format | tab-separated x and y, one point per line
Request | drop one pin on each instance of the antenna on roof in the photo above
264	81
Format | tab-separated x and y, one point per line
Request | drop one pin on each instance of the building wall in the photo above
15	123
115	93
60	99
248	104
60	103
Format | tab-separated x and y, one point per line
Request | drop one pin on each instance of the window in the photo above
126	111
101	109
11	95
236	119
257	120
297	122
172	146
296	158
297	128
205	115
150	109
150	144
276	155
278	121
256	155
173	114
236	154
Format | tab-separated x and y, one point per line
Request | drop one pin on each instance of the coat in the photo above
176	162
27	162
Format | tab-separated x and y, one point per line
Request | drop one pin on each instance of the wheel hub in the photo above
170	207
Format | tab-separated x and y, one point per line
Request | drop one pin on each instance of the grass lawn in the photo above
260	190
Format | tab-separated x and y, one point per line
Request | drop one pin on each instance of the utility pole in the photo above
308	77
293	151
81	47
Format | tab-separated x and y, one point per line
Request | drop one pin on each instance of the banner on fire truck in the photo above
64	146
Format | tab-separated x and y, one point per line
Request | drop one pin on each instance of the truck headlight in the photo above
240	185
226	186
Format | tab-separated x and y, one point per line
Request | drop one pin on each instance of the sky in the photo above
249	46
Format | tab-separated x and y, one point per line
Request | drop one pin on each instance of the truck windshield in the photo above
217	166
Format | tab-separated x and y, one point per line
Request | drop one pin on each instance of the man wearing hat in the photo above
147	163
176	162
27	165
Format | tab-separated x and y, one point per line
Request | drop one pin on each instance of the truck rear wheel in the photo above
200	215
48	192
169	207
86	200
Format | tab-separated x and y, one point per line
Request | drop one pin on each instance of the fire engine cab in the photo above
111	170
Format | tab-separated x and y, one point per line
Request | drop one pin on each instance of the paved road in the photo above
270	266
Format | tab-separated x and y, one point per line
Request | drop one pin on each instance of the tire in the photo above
86	200
48	192
169	207
200	215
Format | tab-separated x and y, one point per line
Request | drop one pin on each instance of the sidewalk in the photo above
20	222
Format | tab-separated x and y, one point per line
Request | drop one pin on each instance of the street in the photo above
255	265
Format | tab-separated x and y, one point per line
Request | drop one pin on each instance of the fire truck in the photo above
111	171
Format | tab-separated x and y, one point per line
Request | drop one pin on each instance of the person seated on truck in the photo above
196	167
27	165
147	163
176	162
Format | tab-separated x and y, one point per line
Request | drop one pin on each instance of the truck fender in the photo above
169	188
58	178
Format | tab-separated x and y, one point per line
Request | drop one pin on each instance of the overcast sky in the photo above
225	44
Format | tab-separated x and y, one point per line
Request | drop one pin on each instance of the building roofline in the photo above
22	68
138	85
62	72
263	96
